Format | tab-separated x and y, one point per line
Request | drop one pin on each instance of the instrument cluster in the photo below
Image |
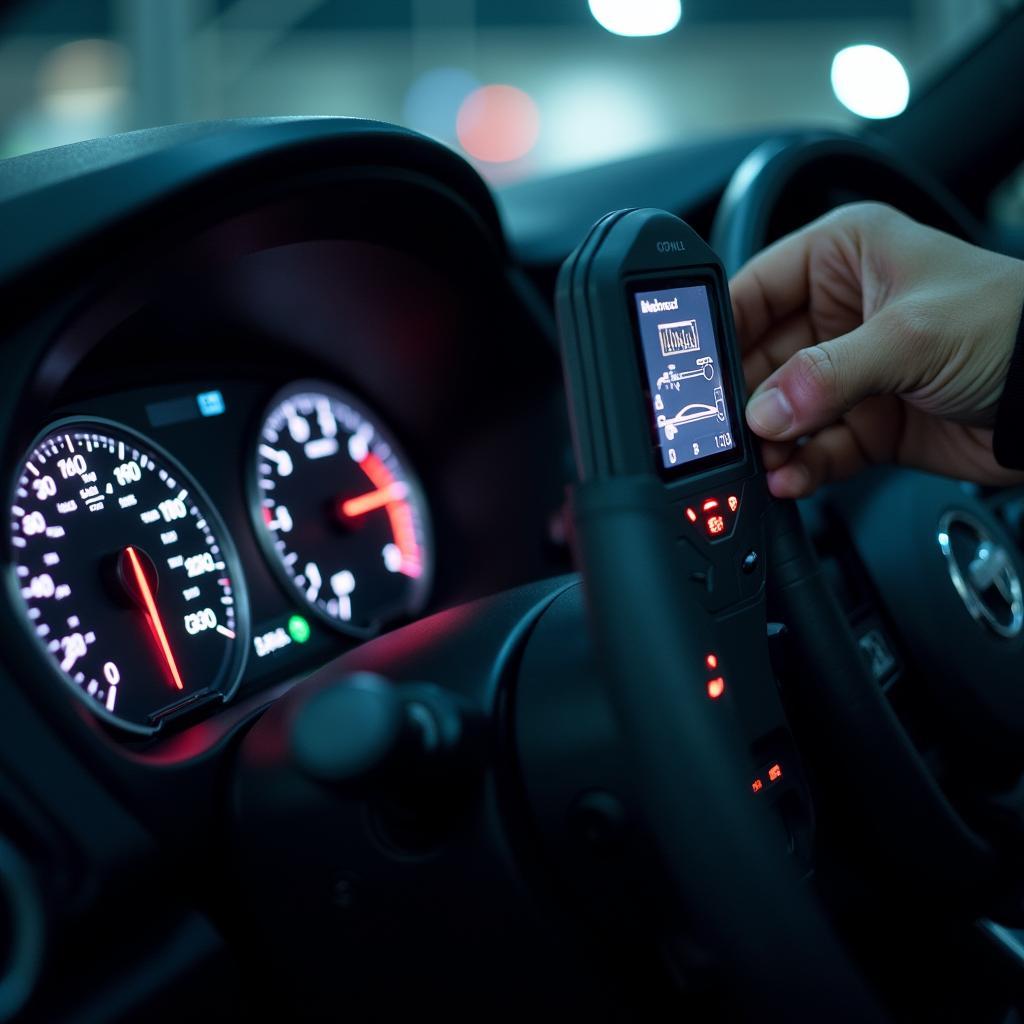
169	546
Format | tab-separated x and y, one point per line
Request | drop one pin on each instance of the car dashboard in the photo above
244	349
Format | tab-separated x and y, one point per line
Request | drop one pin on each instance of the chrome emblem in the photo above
983	572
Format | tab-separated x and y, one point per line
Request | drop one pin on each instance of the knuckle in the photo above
815	372
876	213
868	213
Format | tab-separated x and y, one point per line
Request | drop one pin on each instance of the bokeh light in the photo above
84	77
597	113
870	81
498	124
82	92
637	17
433	101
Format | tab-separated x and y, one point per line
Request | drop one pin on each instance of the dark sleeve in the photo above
1008	439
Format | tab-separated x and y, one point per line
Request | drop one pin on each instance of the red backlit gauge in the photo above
339	510
715	525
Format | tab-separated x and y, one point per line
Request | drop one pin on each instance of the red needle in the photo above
154	616
364	503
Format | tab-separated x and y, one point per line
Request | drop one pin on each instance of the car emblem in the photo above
983	573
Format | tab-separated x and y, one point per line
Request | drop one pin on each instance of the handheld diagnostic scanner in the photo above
670	508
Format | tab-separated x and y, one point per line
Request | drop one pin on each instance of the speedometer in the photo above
127	575
339	511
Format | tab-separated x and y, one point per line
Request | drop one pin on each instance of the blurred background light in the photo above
498	124
597	113
637	17
81	92
870	81
73	69
432	103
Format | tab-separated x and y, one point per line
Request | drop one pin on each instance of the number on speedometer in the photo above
339	511
127	576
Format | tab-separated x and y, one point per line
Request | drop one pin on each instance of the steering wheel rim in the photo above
749	216
775	936
902	788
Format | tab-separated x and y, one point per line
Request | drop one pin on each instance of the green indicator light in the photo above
298	629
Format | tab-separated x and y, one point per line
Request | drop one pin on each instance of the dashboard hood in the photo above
89	188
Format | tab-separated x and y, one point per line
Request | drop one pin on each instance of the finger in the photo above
832	454
774	454
818	384
790	481
771	286
776	346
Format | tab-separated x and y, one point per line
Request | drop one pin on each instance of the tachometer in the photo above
128	577
339	511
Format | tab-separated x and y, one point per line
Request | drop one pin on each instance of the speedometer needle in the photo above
153	614
358	506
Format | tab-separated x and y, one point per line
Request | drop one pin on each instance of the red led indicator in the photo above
715	525
757	785
775	772
709	504
691	515
716	687
711	661
733	502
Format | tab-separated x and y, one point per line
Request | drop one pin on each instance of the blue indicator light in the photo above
211	403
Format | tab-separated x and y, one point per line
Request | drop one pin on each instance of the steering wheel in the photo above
940	570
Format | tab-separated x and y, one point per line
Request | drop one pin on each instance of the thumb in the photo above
817	385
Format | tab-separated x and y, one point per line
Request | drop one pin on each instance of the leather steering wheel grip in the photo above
726	858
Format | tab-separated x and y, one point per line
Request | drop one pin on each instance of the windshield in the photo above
521	87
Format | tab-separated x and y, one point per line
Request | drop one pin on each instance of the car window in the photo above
522	87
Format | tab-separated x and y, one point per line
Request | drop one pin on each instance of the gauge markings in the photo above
135	643
340	514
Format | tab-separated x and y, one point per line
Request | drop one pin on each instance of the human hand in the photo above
869	338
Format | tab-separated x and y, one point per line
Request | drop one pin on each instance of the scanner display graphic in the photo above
678	337
684	377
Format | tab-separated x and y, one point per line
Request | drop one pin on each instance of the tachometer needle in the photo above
358	506
153	615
